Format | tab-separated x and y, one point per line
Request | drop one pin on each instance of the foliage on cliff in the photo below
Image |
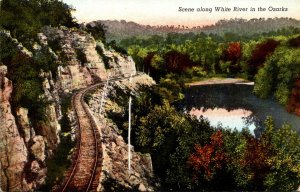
24	18
20	23
24	70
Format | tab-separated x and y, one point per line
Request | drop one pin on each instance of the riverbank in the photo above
217	80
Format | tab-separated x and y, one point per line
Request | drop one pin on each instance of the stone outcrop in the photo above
118	63
19	146
23	121
115	173
75	45
13	152
38	148
24	147
50	127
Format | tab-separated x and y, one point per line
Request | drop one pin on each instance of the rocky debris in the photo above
73	123
42	39
115	173
49	88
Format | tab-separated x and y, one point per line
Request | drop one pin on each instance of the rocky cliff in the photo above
77	55
25	146
13	151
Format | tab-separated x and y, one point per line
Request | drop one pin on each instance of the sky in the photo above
165	12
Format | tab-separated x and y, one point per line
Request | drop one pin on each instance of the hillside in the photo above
117	30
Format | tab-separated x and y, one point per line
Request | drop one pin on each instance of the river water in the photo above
234	106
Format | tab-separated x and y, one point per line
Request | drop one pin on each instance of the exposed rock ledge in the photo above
14	155
115	150
24	147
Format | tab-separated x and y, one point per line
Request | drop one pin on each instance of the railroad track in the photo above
86	168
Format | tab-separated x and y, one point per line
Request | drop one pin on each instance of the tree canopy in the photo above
24	18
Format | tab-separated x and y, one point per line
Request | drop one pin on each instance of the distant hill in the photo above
117	30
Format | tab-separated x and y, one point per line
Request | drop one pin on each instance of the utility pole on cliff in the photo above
0	176
129	130
133	72
1	144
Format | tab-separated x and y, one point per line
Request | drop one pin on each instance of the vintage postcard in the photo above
152	95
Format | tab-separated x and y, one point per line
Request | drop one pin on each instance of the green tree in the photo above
98	31
285	166
278	75
24	18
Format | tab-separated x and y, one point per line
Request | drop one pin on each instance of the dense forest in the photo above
270	59
187	153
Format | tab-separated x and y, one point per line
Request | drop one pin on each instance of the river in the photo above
234	106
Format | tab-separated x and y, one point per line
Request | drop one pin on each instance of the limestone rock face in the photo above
16	171
50	129
24	145
136	82
23	120
38	148
22	150
115	172
39	172
79	58
13	153
119	64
